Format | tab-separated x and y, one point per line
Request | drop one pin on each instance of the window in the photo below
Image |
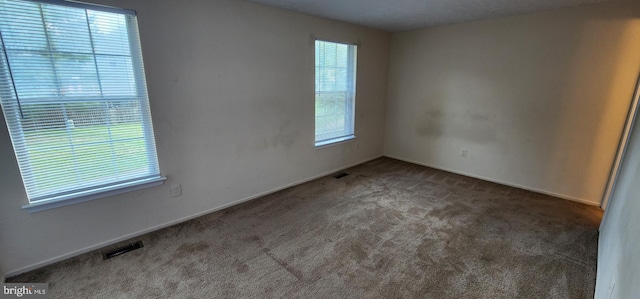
74	97
335	92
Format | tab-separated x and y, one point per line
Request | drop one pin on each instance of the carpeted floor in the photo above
390	229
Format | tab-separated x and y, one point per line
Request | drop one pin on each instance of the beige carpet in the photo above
388	230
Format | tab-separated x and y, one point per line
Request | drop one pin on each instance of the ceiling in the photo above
400	15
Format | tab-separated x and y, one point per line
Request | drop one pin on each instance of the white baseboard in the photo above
563	196
170	223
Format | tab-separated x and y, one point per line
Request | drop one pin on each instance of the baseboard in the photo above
170	223
563	196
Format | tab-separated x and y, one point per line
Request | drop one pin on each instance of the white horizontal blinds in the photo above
335	66
73	94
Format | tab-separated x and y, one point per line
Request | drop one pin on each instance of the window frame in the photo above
95	191
352	69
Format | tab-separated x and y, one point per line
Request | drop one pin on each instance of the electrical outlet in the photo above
463	153
176	190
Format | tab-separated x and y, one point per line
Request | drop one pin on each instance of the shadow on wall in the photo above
547	98
595	104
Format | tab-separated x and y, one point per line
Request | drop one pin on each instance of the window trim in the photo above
82	196
334	141
353	67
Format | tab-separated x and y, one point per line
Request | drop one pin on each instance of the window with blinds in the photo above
335	67
74	97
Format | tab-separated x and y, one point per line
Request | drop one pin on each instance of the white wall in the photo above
231	88
619	242
538	100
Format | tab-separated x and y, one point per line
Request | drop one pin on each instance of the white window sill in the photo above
333	141
69	199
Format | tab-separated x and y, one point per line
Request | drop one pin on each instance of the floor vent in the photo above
122	250
340	175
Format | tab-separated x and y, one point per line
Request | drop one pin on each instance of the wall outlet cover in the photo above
176	190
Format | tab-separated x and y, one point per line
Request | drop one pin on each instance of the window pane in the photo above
335	74
83	144
116	76
77	75
342	53
67	29
28	33
109	32
33	74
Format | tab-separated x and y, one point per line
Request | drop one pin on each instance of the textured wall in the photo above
231	89
538	101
